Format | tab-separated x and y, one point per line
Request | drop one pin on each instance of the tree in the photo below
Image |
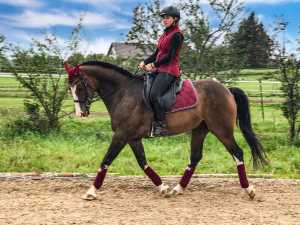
1	45
3	59
39	69
197	56
289	76
251	43
146	25
290	86
76	58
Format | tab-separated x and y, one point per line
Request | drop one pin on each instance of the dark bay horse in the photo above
218	112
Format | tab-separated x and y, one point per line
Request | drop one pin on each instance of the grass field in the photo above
81	144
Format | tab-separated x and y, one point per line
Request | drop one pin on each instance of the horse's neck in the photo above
111	88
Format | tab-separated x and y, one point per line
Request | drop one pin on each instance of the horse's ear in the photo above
68	68
71	71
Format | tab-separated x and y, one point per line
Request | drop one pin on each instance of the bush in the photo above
32	122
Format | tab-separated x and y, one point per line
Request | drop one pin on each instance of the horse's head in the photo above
81	90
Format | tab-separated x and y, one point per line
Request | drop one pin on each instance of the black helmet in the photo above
170	11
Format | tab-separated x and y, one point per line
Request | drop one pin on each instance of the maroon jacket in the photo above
163	46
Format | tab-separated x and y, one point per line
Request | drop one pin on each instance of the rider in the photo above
164	63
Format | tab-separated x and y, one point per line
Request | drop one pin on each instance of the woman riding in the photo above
164	63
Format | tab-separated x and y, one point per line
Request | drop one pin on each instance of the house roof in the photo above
127	50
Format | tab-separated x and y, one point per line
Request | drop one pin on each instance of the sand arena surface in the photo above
134	200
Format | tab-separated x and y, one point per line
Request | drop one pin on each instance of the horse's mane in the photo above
110	66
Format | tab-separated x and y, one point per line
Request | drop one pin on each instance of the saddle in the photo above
181	95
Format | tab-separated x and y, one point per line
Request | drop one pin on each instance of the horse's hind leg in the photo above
138	150
198	136
228	140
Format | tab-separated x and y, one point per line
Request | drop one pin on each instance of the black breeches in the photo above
161	84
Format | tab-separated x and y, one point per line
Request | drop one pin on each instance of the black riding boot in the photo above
159	126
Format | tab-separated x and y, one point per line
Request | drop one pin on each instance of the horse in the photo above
219	111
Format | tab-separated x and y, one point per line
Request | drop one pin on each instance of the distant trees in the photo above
200	56
1	51
1	45
290	86
289	76
129	64
251	44
3	59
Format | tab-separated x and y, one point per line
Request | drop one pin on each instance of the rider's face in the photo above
168	21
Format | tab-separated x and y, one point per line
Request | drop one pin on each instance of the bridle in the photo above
88	98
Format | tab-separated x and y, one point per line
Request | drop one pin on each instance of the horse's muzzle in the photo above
84	114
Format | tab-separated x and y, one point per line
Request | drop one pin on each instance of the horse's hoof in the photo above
90	194
89	197
252	195
251	192
163	189
177	190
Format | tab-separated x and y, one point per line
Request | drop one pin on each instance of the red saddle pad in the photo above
187	98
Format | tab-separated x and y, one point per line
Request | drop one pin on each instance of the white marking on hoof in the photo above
163	189
177	190
90	194
250	191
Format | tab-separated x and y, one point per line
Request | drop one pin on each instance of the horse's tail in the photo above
244	122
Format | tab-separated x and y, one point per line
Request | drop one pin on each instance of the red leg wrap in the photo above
99	178
185	179
242	175
153	176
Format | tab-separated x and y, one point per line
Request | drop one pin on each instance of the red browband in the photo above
71	71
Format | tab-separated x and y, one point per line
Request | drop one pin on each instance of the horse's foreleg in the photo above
138	150
198	136
114	149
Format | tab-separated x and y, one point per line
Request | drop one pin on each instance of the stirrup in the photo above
158	129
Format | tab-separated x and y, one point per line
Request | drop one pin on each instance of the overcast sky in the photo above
106	21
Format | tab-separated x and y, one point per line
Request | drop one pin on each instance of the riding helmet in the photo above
170	11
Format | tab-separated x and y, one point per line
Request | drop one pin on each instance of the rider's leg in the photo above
160	85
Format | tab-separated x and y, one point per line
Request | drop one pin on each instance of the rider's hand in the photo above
142	65
150	67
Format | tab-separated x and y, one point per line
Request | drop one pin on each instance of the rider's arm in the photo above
175	43
151	58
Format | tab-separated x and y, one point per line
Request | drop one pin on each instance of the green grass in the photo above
8	81
81	145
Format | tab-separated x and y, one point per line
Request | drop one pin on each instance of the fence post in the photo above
261	99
